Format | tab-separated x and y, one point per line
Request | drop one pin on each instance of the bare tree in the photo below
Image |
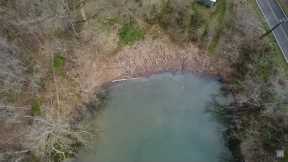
55	138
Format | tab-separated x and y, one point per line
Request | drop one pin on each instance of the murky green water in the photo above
160	119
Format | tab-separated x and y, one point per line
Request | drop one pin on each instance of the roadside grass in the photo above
278	57
283	4
130	33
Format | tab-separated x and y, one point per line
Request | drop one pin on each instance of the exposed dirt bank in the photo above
152	55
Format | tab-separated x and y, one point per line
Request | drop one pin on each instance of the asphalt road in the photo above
273	13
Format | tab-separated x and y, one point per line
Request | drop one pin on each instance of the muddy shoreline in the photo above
146	58
147	75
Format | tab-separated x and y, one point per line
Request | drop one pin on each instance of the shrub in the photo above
36	107
130	33
58	63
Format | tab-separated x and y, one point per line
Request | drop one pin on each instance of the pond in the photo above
162	118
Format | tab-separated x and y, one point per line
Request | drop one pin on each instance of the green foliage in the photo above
254	62
165	14
273	132
285	157
63	152
36	107
265	69
197	24
58	63
130	33
58	157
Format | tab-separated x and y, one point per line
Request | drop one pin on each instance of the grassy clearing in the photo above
130	33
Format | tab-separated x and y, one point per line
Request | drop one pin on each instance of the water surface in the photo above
159	119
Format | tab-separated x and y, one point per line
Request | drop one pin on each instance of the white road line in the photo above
281	9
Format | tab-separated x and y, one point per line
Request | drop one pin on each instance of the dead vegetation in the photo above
12	73
54	140
152	55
